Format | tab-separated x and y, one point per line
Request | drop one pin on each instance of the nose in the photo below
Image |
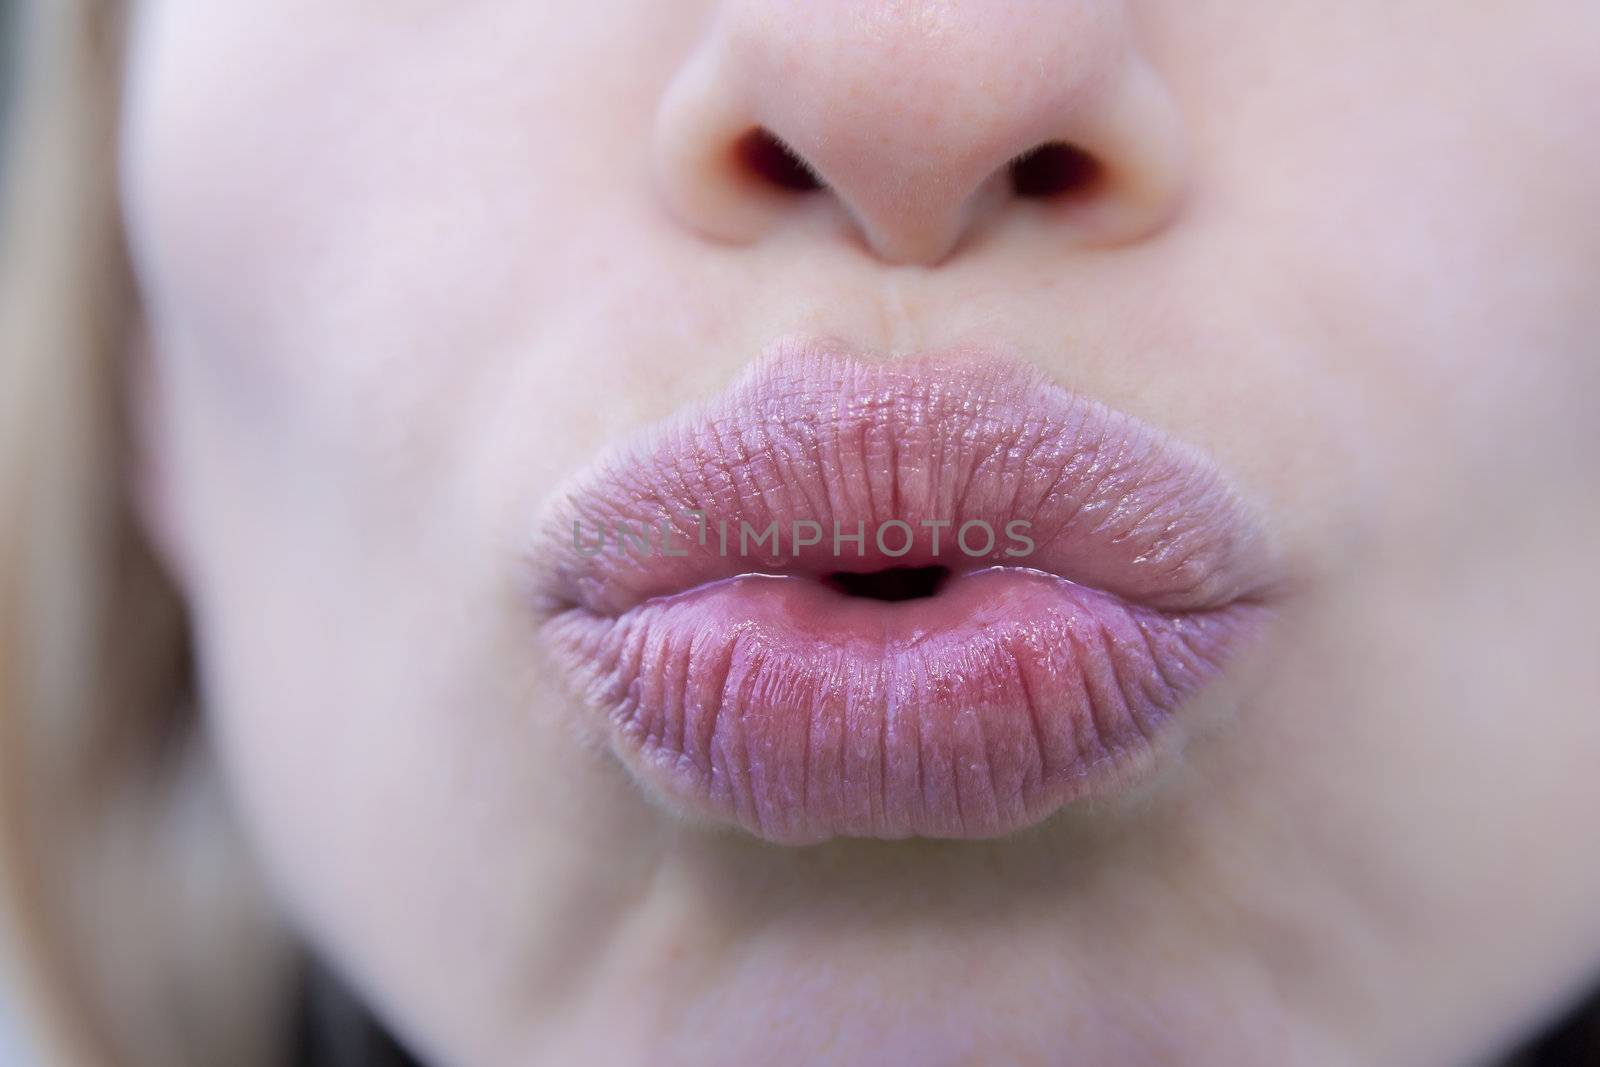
919	122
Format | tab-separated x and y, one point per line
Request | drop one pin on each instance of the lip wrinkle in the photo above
1031	707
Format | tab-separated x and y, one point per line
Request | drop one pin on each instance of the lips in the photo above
934	597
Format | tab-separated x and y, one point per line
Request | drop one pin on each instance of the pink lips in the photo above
1106	577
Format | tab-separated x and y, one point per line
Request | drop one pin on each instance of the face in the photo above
1282	347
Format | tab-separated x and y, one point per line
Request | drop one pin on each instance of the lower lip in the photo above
802	713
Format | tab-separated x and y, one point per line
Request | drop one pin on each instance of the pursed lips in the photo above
1105	575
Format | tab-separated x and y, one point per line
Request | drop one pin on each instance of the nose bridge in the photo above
909	111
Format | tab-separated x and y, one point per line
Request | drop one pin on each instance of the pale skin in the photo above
406	266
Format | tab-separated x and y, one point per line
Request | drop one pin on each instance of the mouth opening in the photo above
891	585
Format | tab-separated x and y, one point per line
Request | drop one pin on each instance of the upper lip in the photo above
816	433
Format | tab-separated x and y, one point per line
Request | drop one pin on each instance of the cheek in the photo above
1425	238
356	224
308	223
352	225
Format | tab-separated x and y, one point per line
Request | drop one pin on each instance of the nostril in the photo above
761	153
1053	170
893	584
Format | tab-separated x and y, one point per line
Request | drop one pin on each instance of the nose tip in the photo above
916	122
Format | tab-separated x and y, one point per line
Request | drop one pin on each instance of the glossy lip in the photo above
751	692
